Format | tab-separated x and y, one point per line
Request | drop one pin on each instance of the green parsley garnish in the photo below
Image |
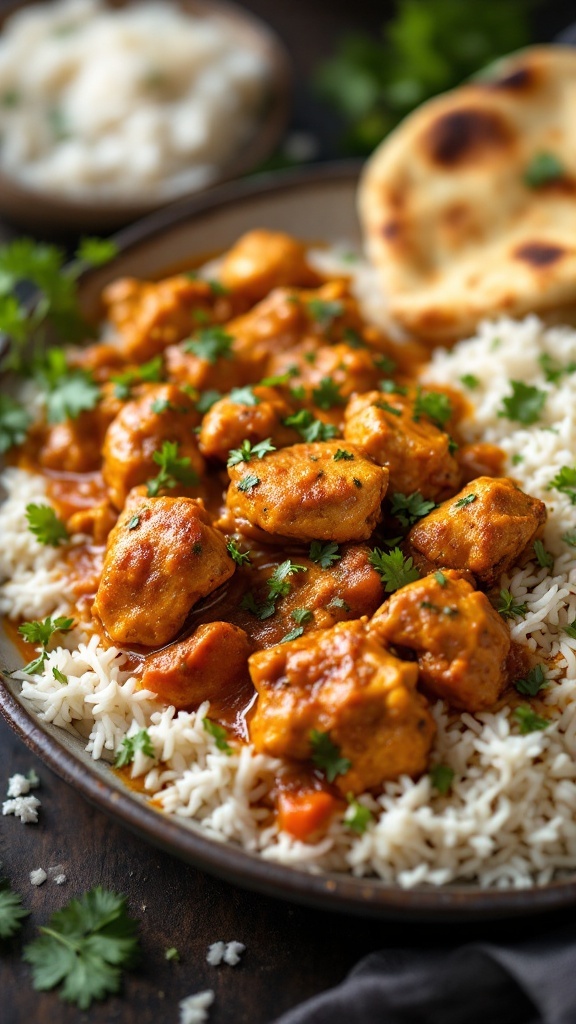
570	538
441	777
342	454
357	816
533	682
301	616
323	312
211	344
278	585
219	735
469	381
59	676
524	405
45	525
543	169
353	339
570	629
552	371
240	557
248	482
12	913
384	363
14	423
150	373
84	948
248	451
217	288
434	405
206	400
262	611
394	569
244	396
67	392
543	557
309	428
134	522
517	459
131	745
440	578
324	554
173	470
386	407
462	502
509	608
327	395
172	954
292	635
326	755
38	632
528	720
565	482
390	387
408	508
339	602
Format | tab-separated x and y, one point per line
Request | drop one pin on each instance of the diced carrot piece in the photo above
303	814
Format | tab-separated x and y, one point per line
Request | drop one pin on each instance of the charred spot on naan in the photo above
539	254
467	135
521	79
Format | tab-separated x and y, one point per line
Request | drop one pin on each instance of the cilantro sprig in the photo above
84	948
240	557
67	392
150	372
12	913
38	632
278	585
45	525
324	312
130	746
327	395
326	755
324	554
14	423
395	570
174	470
408	508
434	406
534	681
309	428
211	344
565	482
357	817
249	451
524	405
529	721
509	607
218	734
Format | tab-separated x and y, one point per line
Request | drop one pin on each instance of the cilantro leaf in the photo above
469	499
301	616
528	720
150	372
14	423
343	455
211	344
385	363
244	396
358	816
96	251
310	428
217	288
570	538
172	954
338	602
84	948
278	585
565	482
440	578
207	400
248	482
59	676
45	525
524	405
326	755
543	557
324	554
394	569
390	387
173	470
260	611
434	405
37	632
324	312
570	629
408	508
327	395
543	169
441	777
219	735
240	557
509	608
292	635
386	407
533	682
469	381
248	451
12	913
67	392
131	745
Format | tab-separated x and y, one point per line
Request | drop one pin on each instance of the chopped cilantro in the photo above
327	395
570	538
358	816
134	522
528	720
326	755
339	602
509	608
45	525
173	470
394	569
309	428
390	387
219	735
131	745
59	676
353	339
570	629
206	400
301	616
244	396
280	378
469	381
440	578
324	554
517	459
384	363
408	508
240	557
211	344
434	405
12	913
468	500
565	482
150	372
533	682
84	948
14	422
543	557
248	482
292	635
441	777
552	371
38	632
524	405
543	169
342	454
217	288
248	451
386	407
323	312
172	954
278	585
262	611
67	392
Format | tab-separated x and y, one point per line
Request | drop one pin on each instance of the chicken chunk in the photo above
415	452
311	492
209	665
344	685
233	420
484	528
162	413
262	260
162	556
461	641
350	370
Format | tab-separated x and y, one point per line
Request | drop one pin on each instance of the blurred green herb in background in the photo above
428	46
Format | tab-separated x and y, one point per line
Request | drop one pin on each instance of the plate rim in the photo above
364	896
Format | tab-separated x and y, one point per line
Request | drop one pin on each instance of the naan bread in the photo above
456	232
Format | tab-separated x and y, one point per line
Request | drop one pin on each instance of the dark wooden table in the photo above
291	952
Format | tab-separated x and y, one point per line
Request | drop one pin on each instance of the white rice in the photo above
509	819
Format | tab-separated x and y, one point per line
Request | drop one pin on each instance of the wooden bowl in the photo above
35	210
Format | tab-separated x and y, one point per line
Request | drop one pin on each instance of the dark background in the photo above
291	952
